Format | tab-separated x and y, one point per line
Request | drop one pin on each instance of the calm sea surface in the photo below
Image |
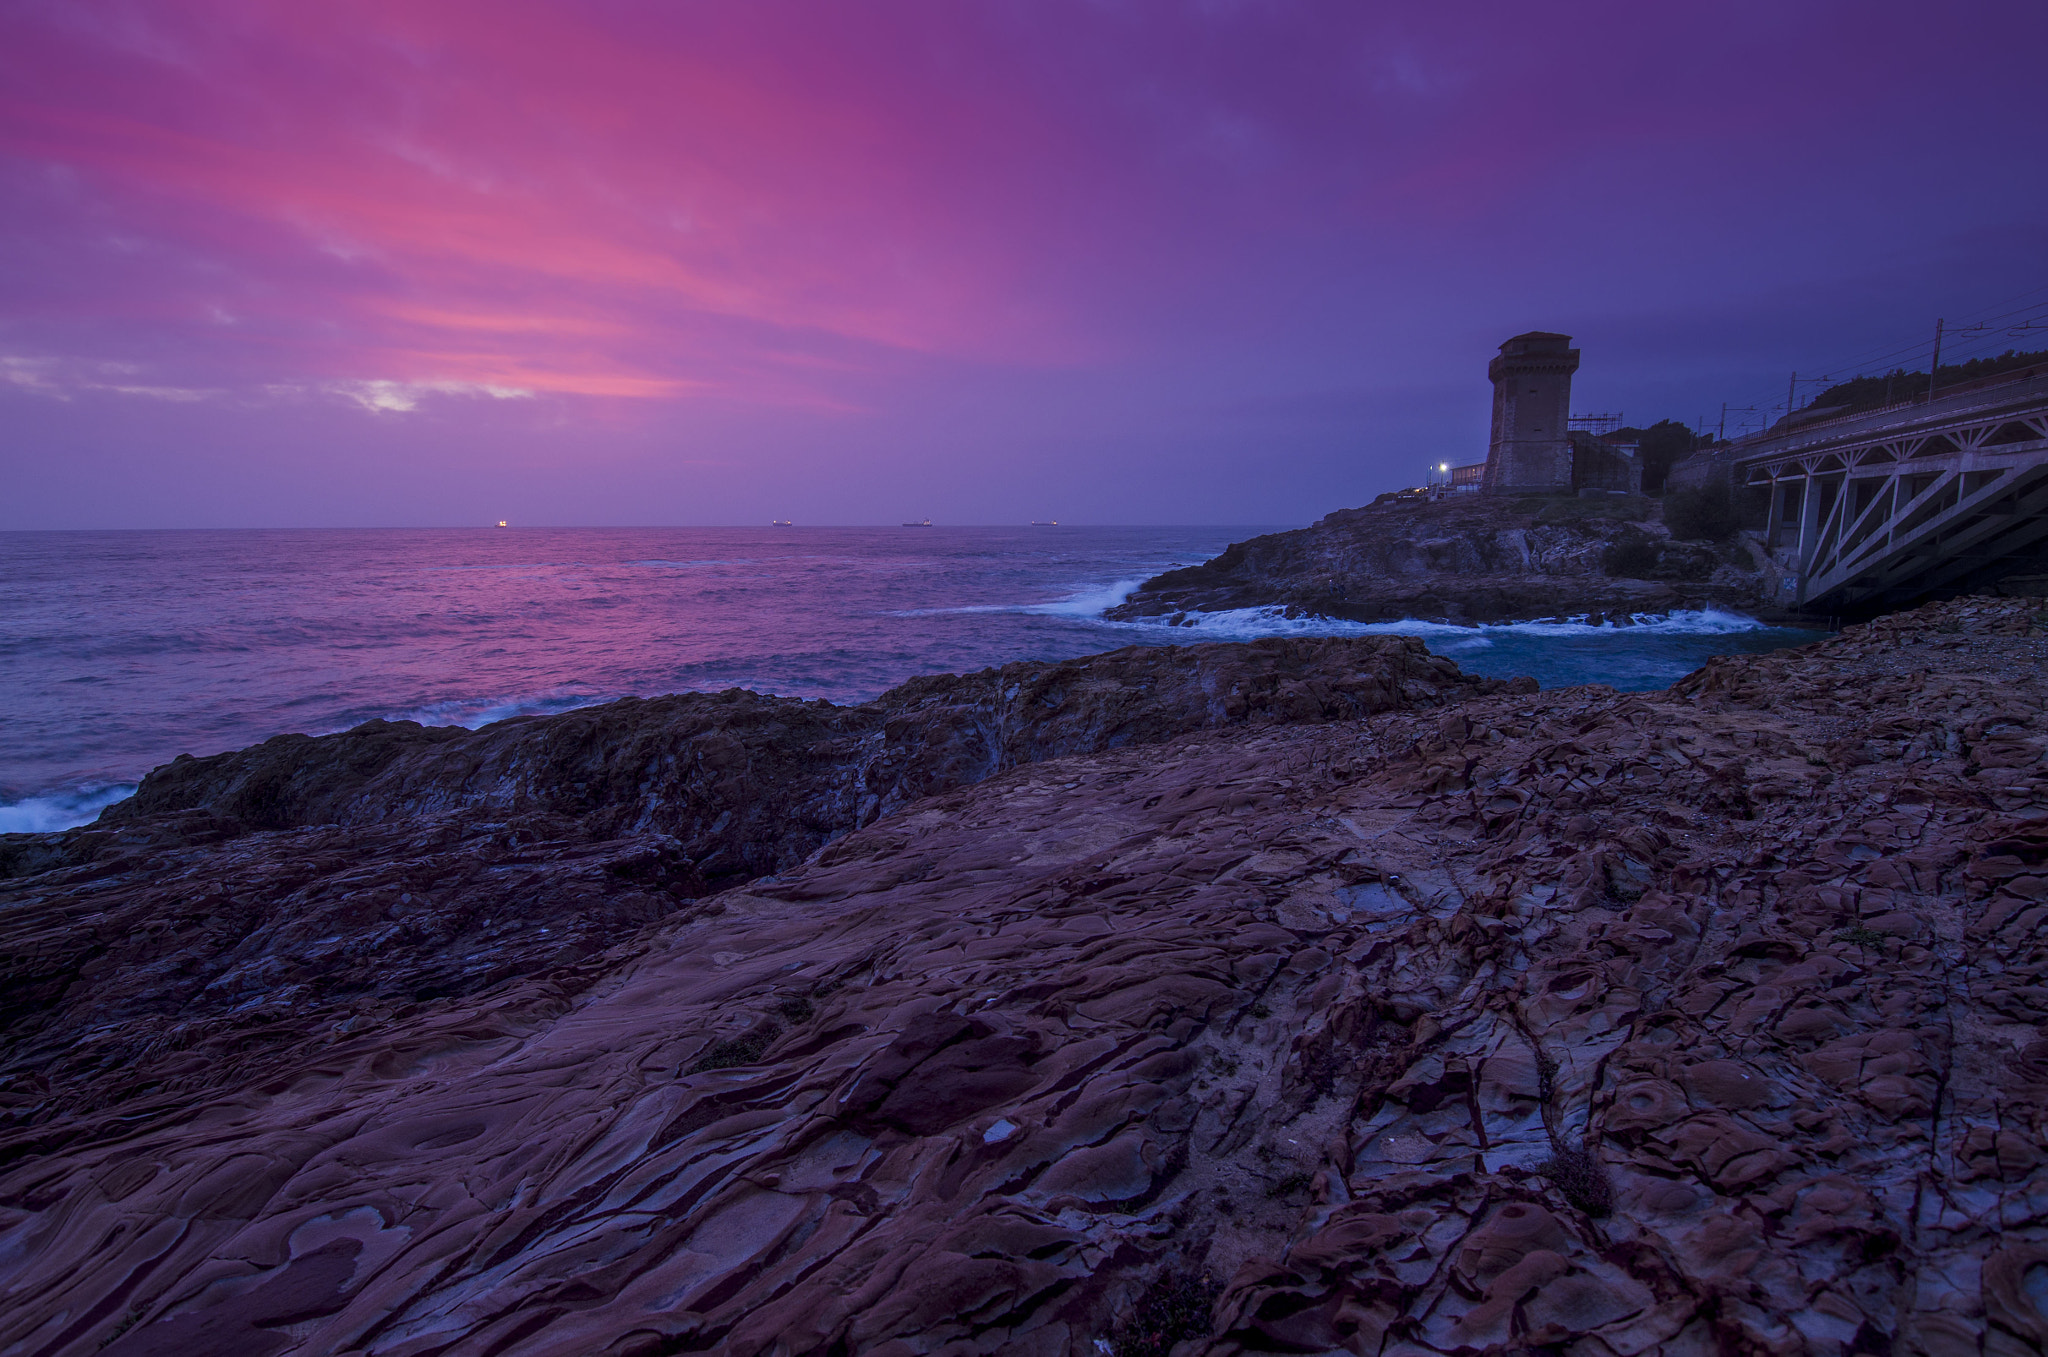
120	650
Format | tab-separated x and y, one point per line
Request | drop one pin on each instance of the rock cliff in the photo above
1466	559
1694	1021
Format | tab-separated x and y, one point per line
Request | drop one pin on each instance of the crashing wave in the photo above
472	713
1243	624
53	811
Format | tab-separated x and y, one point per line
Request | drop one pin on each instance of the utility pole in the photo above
1792	390
1738	409
1934	368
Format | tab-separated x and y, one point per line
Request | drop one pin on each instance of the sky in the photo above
442	262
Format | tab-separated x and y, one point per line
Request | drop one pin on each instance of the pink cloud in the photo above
453	158
923	228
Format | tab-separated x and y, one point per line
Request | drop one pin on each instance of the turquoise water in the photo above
121	650
1651	651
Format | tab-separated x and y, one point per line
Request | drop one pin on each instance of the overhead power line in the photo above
2010	308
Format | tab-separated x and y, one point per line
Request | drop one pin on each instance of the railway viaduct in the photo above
1892	506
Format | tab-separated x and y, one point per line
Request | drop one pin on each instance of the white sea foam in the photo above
474	713
1683	622
1088	601
61	810
1237	624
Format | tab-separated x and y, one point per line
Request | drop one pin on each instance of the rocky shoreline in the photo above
351	879
1469	559
1301	996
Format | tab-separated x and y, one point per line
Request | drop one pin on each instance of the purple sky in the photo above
988	260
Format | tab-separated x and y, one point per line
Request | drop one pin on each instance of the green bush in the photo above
1657	447
1632	556
1701	513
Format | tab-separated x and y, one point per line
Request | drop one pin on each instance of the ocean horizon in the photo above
121	649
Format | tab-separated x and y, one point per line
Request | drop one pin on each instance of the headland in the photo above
1470	559
1552	524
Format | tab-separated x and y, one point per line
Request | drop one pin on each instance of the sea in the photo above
122	650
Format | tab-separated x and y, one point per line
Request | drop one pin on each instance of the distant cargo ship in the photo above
780	523
1045	522
921	523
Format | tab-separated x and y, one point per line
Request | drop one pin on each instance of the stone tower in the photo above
1532	399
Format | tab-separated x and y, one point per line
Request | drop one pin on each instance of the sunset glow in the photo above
691	263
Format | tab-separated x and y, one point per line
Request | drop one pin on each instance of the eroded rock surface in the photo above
1688	1022
242	903
1466	559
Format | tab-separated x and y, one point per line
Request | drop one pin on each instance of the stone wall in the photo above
1710	466
1598	465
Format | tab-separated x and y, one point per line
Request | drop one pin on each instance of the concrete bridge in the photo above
1890	506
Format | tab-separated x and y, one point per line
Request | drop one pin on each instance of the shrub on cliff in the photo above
1701	513
1630	556
1657	447
1868	393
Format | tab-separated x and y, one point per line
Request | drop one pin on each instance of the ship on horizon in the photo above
780	523
921	523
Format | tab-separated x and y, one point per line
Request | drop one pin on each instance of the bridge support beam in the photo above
1894	506
1809	530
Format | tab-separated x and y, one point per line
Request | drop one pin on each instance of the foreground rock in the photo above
242	905
1466	559
1707	1020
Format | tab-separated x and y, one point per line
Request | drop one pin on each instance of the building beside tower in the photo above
1533	448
